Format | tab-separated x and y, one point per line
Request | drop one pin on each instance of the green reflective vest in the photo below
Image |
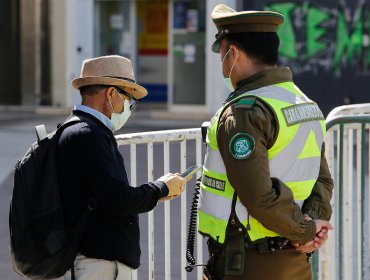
294	159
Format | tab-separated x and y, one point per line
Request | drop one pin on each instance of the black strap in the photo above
122	78
233	218
91	206
73	276
233	203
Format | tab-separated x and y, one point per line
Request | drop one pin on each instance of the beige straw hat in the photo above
111	70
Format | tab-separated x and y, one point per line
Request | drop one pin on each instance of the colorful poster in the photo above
179	15
152	27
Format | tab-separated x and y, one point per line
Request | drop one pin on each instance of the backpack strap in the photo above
41	132
70	121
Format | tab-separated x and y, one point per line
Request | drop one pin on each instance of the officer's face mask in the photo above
119	119
227	80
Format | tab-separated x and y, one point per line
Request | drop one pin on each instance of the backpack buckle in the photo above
92	204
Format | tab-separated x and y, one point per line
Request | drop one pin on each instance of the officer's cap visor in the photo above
216	46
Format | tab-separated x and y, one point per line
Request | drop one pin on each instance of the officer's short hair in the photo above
262	46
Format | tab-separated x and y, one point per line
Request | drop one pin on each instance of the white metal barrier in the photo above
180	136
346	256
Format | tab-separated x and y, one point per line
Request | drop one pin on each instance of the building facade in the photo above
43	44
167	41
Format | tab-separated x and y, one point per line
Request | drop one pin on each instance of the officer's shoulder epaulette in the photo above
245	102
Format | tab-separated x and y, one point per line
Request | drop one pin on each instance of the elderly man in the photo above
266	186
90	165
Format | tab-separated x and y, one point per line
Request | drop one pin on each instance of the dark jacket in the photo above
90	166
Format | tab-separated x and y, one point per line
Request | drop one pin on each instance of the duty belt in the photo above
269	244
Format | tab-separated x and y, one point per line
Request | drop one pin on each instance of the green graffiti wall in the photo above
326	45
331	38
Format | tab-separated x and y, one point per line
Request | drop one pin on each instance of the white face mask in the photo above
119	119
227	80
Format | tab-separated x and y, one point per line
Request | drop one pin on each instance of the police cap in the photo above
228	21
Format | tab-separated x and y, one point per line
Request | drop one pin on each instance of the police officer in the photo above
266	186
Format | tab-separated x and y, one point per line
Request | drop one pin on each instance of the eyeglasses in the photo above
133	100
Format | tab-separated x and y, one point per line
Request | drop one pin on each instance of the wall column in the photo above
216	92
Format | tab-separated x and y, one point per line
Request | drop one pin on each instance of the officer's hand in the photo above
174	183
312	245
308	247
321	224
319	239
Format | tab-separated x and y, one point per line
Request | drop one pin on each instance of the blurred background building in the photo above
43	44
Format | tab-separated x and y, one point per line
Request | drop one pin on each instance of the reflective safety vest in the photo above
294	159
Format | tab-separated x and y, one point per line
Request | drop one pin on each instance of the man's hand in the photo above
167	198
322	229
175	185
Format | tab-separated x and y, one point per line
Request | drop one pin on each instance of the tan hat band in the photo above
122	78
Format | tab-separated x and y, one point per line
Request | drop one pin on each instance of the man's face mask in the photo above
119	119
227	80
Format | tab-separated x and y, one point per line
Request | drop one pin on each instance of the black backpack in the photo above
42	245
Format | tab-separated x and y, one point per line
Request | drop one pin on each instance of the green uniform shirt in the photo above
273	207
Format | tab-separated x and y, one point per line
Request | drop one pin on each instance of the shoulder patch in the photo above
242	145
246	103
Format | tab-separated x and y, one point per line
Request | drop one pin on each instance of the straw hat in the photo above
112	70
229	21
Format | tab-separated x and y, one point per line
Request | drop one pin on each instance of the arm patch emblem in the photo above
242	146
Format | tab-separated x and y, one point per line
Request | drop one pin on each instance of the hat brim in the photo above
216	46
135	90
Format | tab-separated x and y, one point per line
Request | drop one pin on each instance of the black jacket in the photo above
90	165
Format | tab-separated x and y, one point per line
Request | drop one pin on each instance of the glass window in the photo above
189	52
112	28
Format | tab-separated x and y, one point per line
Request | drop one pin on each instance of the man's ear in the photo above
110	93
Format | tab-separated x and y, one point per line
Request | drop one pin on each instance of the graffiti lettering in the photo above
316	37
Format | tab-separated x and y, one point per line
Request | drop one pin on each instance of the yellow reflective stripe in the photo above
310	148
211	138
207	224
258	231
301	190
323	127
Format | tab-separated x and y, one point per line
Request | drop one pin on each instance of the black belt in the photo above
269	244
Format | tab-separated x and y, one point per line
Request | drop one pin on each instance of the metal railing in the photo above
181	136
347	253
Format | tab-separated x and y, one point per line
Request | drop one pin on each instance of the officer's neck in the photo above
251	68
